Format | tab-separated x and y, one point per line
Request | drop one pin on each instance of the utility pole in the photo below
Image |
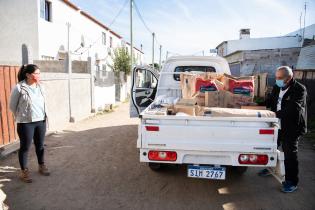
69	69
131	37
304	23
166	55
153	37
203	53
160	61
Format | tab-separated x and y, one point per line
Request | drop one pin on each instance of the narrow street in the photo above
95	165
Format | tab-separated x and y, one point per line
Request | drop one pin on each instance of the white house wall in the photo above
81	27
22	24
18	26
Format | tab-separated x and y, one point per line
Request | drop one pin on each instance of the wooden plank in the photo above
4	119
17	68
16	73
1	109
12	125
7	88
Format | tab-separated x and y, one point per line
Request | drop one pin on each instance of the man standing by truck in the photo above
288	101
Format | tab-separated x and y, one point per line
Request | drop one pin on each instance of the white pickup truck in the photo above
207	145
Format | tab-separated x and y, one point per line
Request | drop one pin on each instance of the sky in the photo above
188	27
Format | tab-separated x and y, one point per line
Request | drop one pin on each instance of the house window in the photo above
45	10
110	41
103	38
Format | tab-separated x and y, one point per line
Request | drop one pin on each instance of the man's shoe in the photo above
43	170
25	176
288	187
265	172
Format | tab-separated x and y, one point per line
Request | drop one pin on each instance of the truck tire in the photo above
155	166
240	169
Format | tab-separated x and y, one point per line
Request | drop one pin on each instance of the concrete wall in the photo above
104	89
122	87
55	66
52	66
57	97
264	61
80	96
72	97
19	27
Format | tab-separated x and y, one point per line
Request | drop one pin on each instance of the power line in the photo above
119	13
111	23
145	24
141	18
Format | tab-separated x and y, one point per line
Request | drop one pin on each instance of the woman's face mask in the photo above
35	76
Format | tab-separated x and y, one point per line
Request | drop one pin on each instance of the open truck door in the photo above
143	89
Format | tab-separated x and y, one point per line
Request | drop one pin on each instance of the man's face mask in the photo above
280	83
281	79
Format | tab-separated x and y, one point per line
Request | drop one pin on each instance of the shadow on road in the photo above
99	169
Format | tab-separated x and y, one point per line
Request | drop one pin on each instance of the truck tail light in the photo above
162	155
253	159
266	131
152	128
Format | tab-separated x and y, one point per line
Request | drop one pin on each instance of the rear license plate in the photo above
206	172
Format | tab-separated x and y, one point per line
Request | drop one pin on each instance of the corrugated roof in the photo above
306	60
308	33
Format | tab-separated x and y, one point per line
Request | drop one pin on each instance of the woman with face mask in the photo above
28	105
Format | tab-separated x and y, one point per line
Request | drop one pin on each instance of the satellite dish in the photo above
82	41
109	51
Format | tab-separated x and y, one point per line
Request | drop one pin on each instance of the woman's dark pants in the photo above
27	132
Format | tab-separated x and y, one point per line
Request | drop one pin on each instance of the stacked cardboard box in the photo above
192	84
218	90
214	90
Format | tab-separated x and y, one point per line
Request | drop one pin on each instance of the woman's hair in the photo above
26	69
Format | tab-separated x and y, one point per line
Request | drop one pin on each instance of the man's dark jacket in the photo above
293	113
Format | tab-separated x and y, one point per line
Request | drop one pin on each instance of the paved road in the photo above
95	165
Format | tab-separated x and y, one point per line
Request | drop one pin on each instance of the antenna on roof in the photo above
305	5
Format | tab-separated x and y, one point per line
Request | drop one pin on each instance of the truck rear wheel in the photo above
155	166
240	169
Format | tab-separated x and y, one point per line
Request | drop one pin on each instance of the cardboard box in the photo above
213	98
200	98
261	84
231	82
186	106
188	82
226	99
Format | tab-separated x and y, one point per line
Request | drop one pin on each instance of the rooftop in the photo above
306	59
87	15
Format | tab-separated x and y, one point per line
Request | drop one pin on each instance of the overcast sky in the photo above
188	27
